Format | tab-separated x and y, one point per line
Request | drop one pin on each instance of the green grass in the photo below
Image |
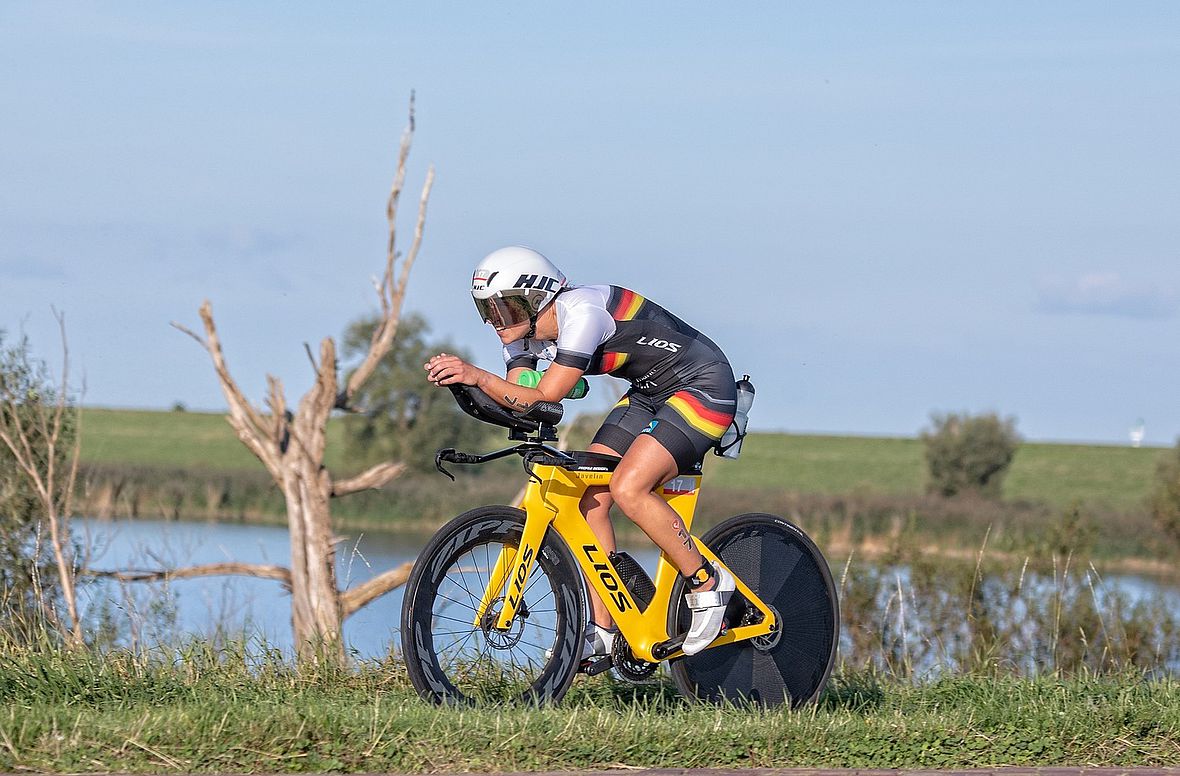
190	440
203	711
824	464
1101	476
841	489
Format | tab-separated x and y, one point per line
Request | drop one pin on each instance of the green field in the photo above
1102	477
180	440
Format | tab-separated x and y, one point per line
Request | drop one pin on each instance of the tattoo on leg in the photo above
682	534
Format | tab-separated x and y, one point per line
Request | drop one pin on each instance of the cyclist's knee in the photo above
596	498
628	487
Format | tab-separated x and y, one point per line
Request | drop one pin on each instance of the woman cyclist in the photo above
681	400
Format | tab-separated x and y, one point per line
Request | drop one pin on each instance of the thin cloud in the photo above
30	268
245	242
1105	293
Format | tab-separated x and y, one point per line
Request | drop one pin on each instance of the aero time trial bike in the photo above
495	607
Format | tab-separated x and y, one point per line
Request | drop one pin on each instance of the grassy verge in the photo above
1104	477
209	712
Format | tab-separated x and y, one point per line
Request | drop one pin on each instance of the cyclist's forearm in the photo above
508	394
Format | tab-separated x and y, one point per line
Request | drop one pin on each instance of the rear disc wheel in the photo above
792	663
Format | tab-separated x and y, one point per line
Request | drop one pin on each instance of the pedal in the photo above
596	666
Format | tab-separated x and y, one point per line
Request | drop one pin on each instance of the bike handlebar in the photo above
538	419
482	407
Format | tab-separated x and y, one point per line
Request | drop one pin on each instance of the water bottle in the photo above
530	378
730	445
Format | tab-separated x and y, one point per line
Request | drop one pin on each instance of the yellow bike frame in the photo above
551	500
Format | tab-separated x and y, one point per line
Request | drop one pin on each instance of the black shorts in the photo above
688	422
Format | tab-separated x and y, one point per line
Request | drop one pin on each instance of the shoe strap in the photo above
706	600
701	575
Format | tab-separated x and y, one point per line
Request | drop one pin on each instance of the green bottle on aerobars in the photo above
529	378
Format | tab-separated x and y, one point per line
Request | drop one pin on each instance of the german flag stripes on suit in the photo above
710	422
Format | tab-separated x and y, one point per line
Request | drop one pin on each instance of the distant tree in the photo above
401	415
1165	494
38	470
969	454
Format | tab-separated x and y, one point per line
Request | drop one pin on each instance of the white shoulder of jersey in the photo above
583	322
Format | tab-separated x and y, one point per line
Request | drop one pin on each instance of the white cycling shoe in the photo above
598	641
708	611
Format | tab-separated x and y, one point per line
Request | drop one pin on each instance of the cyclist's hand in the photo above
445	369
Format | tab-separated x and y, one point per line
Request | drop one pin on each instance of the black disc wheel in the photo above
454	655
792	663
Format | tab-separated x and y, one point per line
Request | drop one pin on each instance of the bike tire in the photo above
780	563
449	659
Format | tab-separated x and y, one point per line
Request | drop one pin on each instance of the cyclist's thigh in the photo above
691	422
647	465
630	416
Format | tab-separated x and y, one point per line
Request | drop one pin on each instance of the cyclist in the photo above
681	400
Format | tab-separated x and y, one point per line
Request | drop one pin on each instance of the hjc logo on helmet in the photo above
538	282
481	278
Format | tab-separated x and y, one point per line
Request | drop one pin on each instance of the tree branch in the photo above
395	192
278	573
404	276
376	477
250	424
363	594
391	290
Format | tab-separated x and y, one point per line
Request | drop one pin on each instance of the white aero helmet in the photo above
512	285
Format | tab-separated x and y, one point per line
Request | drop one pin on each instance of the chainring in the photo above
627	665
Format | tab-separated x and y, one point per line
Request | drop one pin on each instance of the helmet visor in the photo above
504	311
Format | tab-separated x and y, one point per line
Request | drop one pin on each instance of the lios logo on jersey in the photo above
663	344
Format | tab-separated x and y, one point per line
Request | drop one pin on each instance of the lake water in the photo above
245	604
261	607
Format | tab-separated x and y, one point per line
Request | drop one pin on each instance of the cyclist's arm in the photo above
445	369
556	382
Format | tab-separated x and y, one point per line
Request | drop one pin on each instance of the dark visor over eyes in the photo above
503	311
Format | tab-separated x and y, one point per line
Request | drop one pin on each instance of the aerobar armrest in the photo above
547	413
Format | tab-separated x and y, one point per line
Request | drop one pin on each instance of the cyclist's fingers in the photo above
460	372
442	365
437	360
445	374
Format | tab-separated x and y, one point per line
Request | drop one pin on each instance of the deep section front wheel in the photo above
455	655
787	571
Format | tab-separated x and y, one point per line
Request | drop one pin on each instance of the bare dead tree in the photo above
290	444
35	434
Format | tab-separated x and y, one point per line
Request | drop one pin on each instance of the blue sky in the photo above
880	210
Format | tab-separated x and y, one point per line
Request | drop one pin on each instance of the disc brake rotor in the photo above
503	639
769	641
